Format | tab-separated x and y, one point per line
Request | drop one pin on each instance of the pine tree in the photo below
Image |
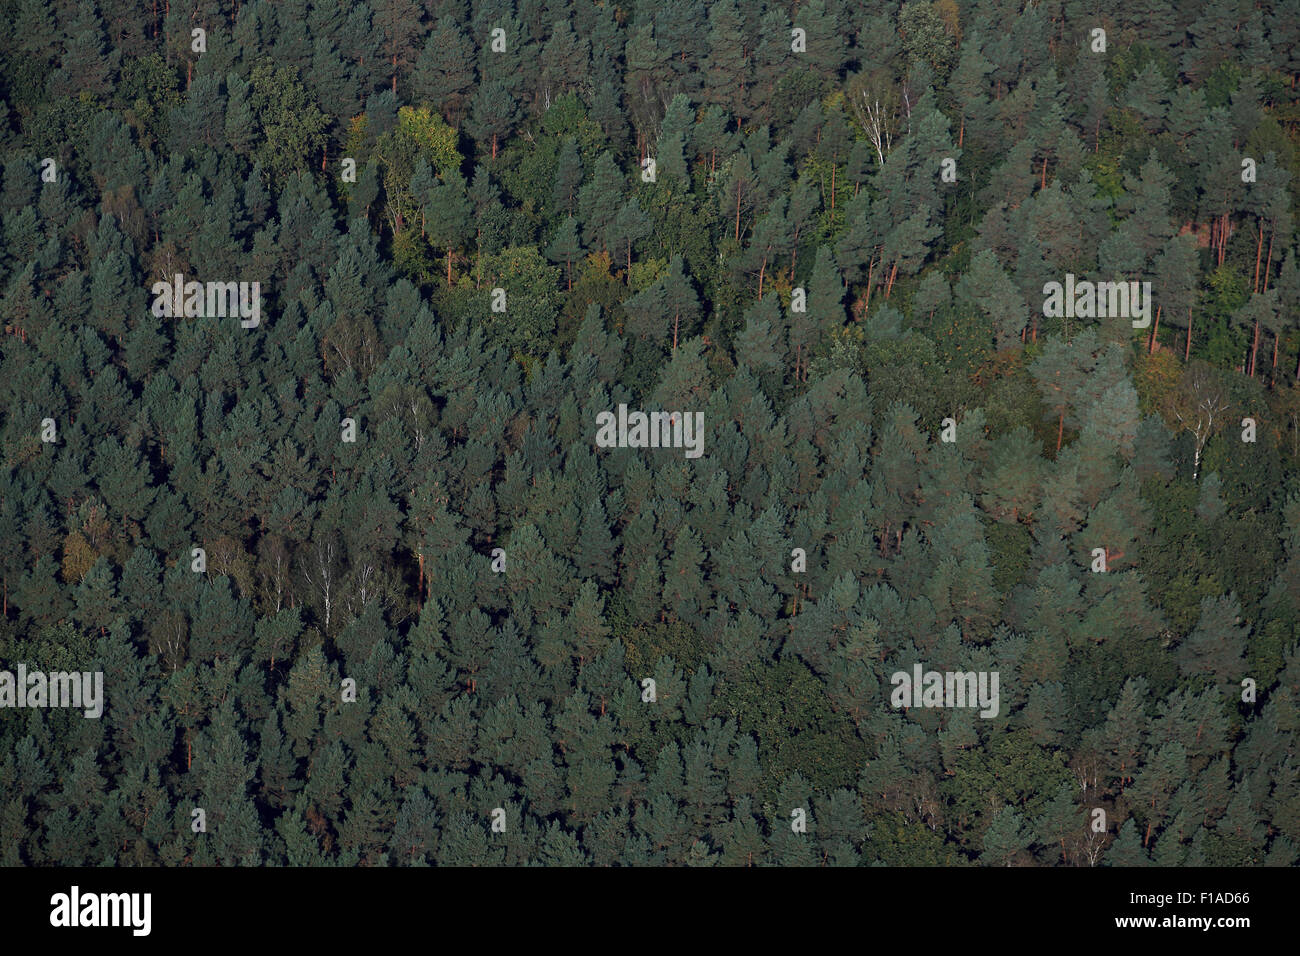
1006	837
988	288
727	68
493	114
444	73
566	247
629	226
447	214
1174	287
564	58
671	151
600	200
1216	647
568	177
826	45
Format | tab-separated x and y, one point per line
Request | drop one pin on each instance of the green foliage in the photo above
498	585
532	299
1011	767
784	706
897	841
292	125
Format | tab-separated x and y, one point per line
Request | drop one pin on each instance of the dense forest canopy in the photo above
312	311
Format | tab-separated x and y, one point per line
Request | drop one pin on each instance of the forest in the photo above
586	432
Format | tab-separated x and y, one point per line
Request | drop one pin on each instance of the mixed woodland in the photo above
735	208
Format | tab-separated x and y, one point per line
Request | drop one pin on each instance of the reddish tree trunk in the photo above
867	304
